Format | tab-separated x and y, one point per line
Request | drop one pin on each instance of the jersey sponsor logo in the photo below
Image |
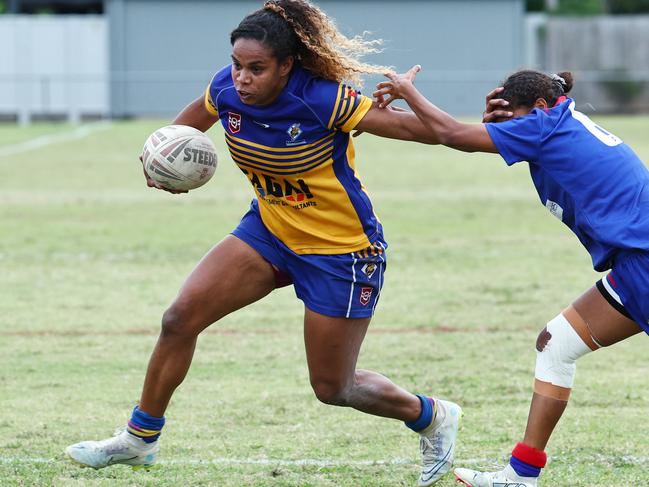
234	122
366	295
285	192
261	124
296	197
369	269
555	209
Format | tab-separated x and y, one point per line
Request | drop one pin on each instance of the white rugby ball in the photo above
179	157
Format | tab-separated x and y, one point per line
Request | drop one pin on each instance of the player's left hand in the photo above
396	87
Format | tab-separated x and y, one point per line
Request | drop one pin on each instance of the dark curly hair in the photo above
524	87
298	28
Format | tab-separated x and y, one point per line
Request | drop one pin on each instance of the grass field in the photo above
89	259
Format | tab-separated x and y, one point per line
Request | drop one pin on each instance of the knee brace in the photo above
559	345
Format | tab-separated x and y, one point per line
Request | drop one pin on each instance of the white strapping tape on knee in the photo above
556	362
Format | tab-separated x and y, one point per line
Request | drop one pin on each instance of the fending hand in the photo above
496	108
396	87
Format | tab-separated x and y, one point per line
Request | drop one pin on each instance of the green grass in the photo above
89	259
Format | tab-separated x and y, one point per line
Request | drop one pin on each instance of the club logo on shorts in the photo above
234	122
369	269
366	294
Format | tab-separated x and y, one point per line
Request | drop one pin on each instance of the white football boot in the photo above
122	448
506	477
437	443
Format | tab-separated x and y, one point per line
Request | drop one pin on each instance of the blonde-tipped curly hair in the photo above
298	28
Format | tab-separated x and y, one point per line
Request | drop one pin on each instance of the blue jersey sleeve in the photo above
221	80
337	106
518	139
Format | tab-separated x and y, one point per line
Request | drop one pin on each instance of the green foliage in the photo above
623	88
628	6
580	7
90	258
535	5
3	6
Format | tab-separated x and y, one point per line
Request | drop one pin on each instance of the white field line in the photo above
300	462
482	462
46	140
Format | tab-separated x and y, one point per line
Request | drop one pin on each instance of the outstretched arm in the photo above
395	123
440	127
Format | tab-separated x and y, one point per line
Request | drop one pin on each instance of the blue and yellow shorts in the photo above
340	285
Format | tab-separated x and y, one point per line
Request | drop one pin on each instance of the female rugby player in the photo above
287	117
593	182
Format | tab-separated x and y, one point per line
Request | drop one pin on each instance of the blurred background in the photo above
79	60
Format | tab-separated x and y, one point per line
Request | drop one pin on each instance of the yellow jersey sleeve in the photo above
209	104
349	106
357	114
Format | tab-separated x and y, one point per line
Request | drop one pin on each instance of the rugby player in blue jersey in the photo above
596	185
287	117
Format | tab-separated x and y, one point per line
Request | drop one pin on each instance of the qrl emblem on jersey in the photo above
366	294
369	269
234	122
294	131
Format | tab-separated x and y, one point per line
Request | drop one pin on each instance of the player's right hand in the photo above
496	108
153	184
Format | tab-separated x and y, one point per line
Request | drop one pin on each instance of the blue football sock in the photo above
145	426
426	416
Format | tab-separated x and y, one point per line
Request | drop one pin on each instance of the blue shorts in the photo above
629	278
340	285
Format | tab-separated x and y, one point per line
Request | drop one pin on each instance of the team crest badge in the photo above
294	131
369	269
366	295
234	122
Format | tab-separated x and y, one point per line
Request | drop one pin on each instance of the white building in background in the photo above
54	67
151	57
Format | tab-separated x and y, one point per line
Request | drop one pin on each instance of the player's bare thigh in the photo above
230	276
606	324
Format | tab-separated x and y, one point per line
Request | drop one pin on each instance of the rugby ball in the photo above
179	157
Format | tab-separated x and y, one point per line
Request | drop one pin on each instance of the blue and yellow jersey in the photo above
298	155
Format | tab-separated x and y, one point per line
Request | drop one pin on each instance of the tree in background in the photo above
623	89
588	7
567	7
535	5
627	6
